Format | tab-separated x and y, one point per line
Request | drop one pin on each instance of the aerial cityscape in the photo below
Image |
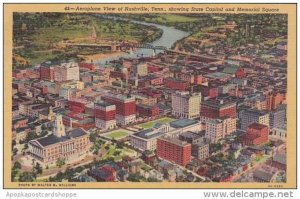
196	98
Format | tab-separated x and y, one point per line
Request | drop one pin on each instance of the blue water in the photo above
169	37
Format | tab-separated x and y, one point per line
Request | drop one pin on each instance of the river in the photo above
169	37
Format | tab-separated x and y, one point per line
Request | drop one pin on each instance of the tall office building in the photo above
66	71
219	128
125	107
250	116
186	105
105	115
215	108
174	150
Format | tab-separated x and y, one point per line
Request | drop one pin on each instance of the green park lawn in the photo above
163	120
117	134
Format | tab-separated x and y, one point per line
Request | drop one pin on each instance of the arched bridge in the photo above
117	47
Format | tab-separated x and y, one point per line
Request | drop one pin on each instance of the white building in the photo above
278	134
186	105
66	71
217	129
105	115
146	139
142	69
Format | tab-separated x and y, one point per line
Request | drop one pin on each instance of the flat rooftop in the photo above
174	141
217	75
181	123
148	134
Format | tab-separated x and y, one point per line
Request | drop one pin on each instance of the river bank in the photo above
101	56
168	38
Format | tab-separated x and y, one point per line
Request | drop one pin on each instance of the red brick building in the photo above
78	120
32	73
103	174
90	66
47	72
153	69
19	74
77	105
147	111
152	93
176	84
105	115
125	107
208	91
156	80
213	109
256	134
20	122
198	79
117	74
174	150
240	73
235	71
274	99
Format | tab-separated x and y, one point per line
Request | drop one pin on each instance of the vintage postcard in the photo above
149	96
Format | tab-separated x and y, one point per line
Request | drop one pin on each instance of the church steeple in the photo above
51	114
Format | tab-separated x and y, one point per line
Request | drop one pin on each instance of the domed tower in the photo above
59	127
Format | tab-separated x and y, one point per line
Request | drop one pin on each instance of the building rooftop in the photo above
148	134
257	126
264	175
217	121
52	139
217	75
119	96
280	158
103	104
176	80
230	69
216	102
181	123
174	141
256	112
192	135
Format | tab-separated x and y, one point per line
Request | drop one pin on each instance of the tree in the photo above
116	153
26	177
79	169
60	162
13	144
30	136
69	174
17	165
134	177
120	145
44	127
15	151
38	168
13	175
151	179
25	146
93	137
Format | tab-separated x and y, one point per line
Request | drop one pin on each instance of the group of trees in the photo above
25	176
60	162
97	143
